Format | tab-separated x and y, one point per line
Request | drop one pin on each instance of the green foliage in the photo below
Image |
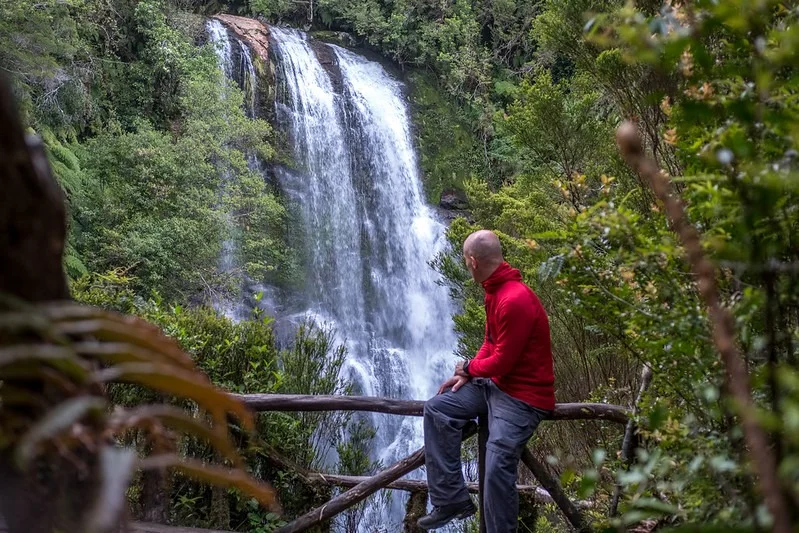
159	169
561	130
67	171
449	148
713	90
245	357
461	40
44	54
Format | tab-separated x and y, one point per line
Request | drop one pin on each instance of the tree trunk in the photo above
155	497
53	493
220	509
33	224
414	510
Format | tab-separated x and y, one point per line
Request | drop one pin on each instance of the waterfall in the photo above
367	231
218	35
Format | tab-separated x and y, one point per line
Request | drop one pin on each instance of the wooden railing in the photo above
360	488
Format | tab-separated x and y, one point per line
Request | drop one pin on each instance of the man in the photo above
510	380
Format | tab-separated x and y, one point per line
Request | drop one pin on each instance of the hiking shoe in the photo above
441	516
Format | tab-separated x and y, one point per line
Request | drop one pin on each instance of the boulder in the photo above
327	58
251	31
454	199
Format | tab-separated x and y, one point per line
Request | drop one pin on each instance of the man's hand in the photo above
460	372
455	382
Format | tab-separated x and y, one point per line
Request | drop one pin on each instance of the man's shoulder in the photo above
517	294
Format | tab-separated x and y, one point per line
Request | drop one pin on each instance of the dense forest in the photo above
515	105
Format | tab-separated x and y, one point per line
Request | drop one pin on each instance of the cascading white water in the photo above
218	35
249	80
368	232
227	50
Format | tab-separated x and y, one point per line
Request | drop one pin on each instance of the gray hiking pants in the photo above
511	423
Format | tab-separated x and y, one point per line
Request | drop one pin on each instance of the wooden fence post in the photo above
629	443
482	440
552	485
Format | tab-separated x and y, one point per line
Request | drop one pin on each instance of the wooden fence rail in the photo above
539	494
301	402
362	487
362	490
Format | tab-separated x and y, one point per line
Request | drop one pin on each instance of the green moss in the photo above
448	147
340	38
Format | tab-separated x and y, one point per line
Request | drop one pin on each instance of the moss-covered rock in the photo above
449	150
340	38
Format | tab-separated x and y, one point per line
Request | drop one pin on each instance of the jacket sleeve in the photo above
514	320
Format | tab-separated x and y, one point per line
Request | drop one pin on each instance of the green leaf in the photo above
588	484
598	456
720	463
550	268
655	506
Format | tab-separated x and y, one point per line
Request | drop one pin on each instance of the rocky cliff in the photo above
251	31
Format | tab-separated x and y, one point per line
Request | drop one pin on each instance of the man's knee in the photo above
431	406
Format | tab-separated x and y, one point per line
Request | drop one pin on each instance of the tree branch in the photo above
763	459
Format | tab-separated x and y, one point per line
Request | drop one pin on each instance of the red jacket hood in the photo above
500	276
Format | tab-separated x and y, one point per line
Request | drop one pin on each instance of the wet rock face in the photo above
327	58
340	38
453	204
454	200
251	31
254	35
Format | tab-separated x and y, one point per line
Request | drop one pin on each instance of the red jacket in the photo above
517	351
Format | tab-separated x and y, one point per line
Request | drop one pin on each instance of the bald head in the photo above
483	245
482	253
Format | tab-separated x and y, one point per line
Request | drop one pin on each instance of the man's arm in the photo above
514	321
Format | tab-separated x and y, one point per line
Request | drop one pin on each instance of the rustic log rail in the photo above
362	490
552	486
301	402
362	487
539	494
356	494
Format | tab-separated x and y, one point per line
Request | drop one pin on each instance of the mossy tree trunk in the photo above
57	493
414	510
